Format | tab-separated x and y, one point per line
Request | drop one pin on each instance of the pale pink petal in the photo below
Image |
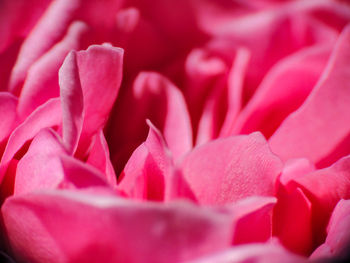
41	83
47	115
226	170
290	82
253	253
99	158
71	101
100	72
337	243
157	99
103	228
323	113
47	32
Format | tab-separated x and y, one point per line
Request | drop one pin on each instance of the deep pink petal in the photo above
290	81
47	32
71	101
8	114
99	158
39	87
45	116
158	100
226	170
253	219
324	188
321	114
253	253
103	228
100	71
337	243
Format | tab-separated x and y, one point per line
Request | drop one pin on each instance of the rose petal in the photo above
8	115
100	72
158	100
99	158
290	81
47	115
39	87
324	188
322	114
47	32
159	233
226	170
254	253
337	243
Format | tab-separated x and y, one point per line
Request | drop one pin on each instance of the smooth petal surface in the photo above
41	83
72	102
99	158
159	233
47	115
321	114
226	170
100	72
47	165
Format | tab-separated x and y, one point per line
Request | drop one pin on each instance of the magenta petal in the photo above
226	170
39	87
47	115
323	113
71	101
103	228
337	243
99	158
100	71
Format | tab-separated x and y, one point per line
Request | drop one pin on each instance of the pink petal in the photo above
158	100
39	87
253	253
321	114
100	72
159	233
16	21
324	188
99	158
226	170
72	102
47	165
47	32
290	81
47	115
253	219
337	243
8	115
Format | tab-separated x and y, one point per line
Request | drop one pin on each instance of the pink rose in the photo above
174	131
